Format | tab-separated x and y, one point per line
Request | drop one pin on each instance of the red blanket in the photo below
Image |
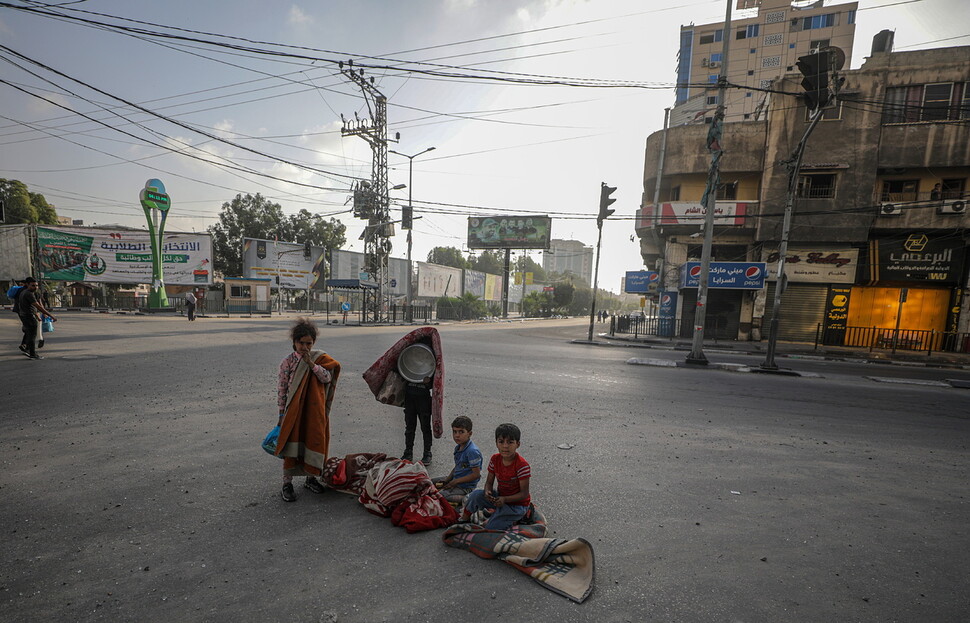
394	488
377	373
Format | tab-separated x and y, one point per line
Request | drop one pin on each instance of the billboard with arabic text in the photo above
122	256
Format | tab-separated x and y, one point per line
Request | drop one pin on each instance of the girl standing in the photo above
305	391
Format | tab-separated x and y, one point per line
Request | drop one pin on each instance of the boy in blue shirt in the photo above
468	464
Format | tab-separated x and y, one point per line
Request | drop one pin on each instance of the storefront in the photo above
913	285
728	307
811	271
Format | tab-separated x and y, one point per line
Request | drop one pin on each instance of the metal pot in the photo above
416	362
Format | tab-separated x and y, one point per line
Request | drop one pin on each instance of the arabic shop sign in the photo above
917	257
639	281
693	213
725	275
815	265
836	315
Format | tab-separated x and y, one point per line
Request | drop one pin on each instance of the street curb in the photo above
810	357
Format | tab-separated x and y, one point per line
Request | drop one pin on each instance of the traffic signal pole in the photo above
604	213
821	86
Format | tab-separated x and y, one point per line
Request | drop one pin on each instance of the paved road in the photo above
133	487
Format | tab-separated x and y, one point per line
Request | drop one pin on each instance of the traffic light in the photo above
816	69
407	215
605	202
307	250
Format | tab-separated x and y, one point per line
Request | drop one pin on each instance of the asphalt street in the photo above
134	488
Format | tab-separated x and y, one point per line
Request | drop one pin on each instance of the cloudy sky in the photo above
499	145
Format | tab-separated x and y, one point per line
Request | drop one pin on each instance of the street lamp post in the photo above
411	158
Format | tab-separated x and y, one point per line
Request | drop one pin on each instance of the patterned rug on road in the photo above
564	566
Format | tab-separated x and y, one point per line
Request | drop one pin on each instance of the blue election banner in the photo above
731	275
638	281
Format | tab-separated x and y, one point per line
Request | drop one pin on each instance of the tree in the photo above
17	205
46	214
447	256
252	216
562	295
490	262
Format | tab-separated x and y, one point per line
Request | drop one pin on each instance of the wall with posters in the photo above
493	287
475	283
122	256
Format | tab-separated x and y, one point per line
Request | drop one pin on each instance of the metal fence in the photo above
873	338
715	327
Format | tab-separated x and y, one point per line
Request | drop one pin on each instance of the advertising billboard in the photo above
122	256
639	281
727	275
920	257
267	259
351	265
509	232
435	281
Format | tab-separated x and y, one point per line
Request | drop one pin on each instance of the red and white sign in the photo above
693	213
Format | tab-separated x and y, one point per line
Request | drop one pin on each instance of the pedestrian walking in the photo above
190	305
29	308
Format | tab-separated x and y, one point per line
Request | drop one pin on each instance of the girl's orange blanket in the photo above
305	432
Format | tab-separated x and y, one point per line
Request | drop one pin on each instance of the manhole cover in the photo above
78	357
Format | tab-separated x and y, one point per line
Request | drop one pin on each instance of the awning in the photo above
351	284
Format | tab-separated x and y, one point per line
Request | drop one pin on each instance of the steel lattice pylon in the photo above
376	200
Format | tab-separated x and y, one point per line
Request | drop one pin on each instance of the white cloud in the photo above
298	17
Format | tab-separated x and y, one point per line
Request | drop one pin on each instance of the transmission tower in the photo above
373	203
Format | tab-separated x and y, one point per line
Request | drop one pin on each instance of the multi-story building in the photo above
762	48
569	256
879	233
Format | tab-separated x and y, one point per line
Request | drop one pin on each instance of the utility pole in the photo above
696	355
407	219
377	245
817	69
605	202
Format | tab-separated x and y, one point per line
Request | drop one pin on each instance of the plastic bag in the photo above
269	443
47	326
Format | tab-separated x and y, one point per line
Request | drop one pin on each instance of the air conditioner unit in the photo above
714	64
952	206
890	209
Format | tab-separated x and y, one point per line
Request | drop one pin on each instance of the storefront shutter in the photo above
802	308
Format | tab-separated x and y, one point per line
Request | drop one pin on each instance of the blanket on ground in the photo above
377	374
304	439
563	566
348	474
394	488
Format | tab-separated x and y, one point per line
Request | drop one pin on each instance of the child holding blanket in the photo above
510	499
305	391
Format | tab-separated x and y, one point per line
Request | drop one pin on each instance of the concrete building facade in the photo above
879	234
763	48
569	256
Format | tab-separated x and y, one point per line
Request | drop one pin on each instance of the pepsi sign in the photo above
726	275
639	281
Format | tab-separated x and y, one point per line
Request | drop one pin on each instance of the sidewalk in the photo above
794	350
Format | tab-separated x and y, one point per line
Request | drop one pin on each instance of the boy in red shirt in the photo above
510	499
